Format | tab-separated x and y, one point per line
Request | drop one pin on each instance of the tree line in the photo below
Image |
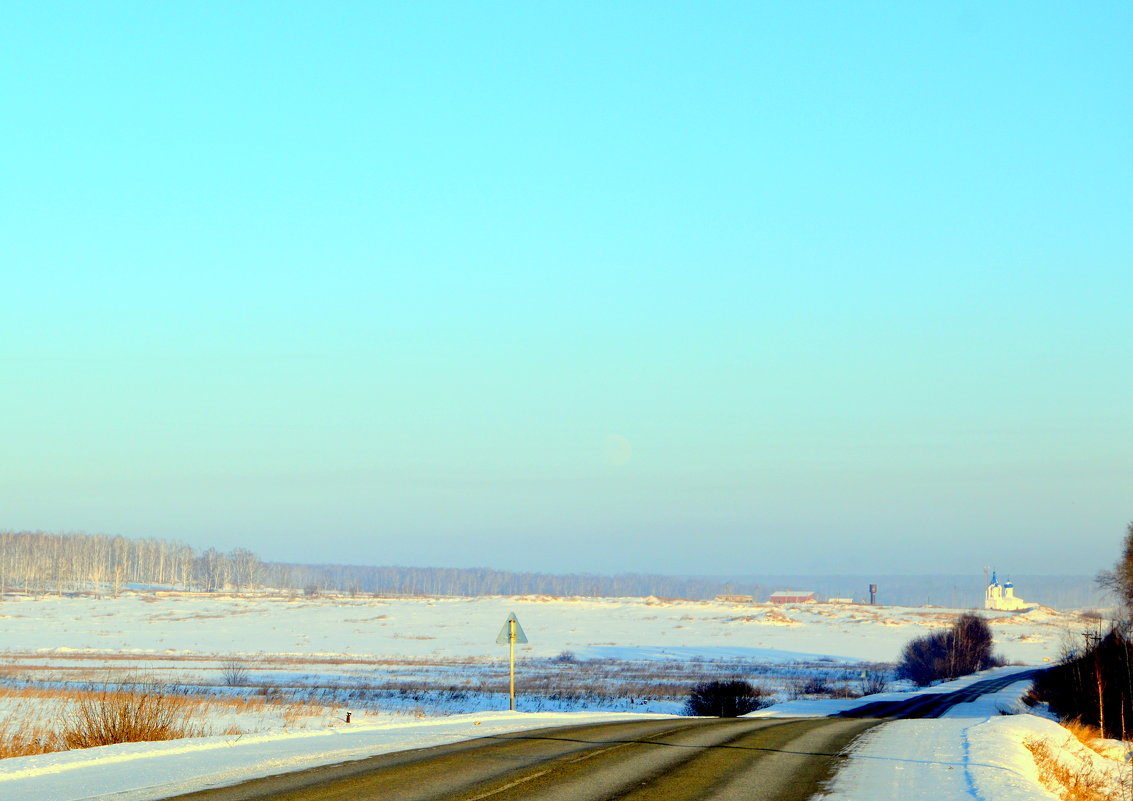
35	561
69	562
394	580
1093	681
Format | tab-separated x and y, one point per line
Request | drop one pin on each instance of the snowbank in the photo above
975	751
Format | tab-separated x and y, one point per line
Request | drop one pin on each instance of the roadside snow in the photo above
150	771
975	751
945	759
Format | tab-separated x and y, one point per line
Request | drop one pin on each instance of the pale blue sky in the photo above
681	288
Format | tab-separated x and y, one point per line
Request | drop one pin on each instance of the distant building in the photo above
1002	598
839	600
792	597
734	599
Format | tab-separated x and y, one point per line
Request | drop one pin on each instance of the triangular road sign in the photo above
505	632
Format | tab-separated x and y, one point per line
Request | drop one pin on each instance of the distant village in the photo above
998	596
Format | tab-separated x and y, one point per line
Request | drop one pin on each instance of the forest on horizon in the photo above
39	562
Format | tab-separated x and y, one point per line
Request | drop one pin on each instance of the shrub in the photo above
815	685
963	649
235	673
132	713
874	681
725	699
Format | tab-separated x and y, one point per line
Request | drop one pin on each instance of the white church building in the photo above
1002	598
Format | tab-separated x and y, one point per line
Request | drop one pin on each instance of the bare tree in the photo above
1120	580
245	568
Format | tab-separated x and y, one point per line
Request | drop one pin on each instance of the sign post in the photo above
509	635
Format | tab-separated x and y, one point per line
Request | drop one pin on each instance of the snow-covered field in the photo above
182	625
441	655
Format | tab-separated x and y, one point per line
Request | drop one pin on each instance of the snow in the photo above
149	771
452	628
975	751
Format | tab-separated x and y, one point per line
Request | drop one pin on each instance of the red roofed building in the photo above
792	597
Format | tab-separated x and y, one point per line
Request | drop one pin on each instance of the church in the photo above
1002	598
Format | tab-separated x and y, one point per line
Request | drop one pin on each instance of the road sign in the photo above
510	634
505	632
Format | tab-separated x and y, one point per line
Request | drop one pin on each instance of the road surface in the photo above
933	705
757	759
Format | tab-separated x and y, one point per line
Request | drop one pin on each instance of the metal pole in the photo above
511	648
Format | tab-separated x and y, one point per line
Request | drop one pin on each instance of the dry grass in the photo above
132	713
1084	733
23	733
39	721
293	690
1073	776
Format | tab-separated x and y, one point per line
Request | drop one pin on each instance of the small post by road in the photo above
510	634
511	665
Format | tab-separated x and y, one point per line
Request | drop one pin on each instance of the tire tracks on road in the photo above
701	758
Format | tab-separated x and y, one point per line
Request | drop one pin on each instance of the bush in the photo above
132	713
725	699
815	685
874	681
963	649
235	673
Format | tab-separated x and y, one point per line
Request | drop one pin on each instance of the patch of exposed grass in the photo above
1073	776
36	720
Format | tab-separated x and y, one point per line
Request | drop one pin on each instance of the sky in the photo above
782	287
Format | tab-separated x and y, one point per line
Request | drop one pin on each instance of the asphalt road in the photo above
935	705
661	760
